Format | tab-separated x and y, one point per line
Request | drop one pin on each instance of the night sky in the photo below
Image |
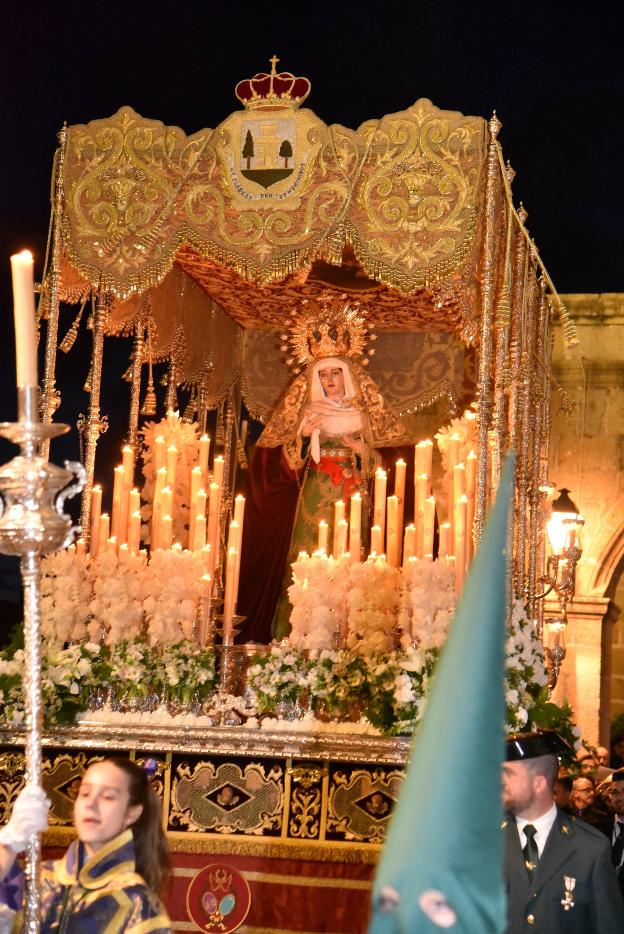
553	75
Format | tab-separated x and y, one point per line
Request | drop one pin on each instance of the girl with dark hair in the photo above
111	877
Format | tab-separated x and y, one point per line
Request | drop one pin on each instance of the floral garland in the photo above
427	604
280	674
318	598
373	600
65	595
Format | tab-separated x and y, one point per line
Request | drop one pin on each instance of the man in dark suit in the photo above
558	870
612	825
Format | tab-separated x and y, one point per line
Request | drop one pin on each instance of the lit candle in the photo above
117	497
423	458
376	540
400	469
239	510
392	533
161	482
196	485
229	599
134	533
409	545
452	455
444	541
379	508
166	501
166	532
322	536
429	524
111	544
459	481
204	451
217	470
127	460
172	464
355	527
96	510
196	482
134	501
234	535
104	531
22	272
340	538
422	492
160	453
339	515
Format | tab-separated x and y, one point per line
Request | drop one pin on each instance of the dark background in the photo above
552	71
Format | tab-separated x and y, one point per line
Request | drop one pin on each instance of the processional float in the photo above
204	249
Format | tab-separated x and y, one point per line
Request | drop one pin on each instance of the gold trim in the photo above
184	872
273	848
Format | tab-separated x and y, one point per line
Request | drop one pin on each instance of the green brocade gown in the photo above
337	476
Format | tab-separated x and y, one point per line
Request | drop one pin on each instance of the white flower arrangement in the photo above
172	589
278	675
119	588
65	595
525	669
428	603
318	597
373	601
466	429
185	437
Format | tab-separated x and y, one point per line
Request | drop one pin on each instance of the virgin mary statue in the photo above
318	447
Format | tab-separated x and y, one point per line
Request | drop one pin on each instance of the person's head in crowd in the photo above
114	795
615	793
617	751
602	755
529	774
587	762
562	789
583	793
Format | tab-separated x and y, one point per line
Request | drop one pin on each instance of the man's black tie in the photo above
530	851
618	847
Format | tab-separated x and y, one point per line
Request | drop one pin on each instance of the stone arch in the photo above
610	560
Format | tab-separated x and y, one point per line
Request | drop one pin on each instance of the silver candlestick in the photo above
32	524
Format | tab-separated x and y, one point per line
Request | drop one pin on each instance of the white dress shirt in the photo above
542	826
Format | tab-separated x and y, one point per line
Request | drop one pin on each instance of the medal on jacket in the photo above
567	901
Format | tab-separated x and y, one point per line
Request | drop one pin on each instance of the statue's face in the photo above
332	381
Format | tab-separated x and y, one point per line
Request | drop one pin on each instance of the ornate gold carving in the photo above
227	798
12	780
360	803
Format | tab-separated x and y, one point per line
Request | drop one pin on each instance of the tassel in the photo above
148	409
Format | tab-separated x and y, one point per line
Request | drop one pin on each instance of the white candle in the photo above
229	600
104	532
127	460
239	510
460	542
117	497
409	545
134	501
96	510
160	453
392	533
134	533
161	482
197	482
355	527
200	533
166	532
214	505
400	469
452	459
339	515
444	542
429	524
340	538
423	456
172	465
322	536
217	470
22	272
204	451
166	501
196	485
379	507
376	540
422	492
205	600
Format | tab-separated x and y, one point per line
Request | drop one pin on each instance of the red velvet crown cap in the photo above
273	90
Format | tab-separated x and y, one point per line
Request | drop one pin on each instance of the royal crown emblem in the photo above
272	91
328	326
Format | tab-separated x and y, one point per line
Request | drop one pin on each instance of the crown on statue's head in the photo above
327	326
272	91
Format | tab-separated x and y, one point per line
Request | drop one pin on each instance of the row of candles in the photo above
402	544
121	530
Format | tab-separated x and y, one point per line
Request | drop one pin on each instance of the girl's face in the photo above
102	809
332	381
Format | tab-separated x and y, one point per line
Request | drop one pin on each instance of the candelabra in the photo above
33	524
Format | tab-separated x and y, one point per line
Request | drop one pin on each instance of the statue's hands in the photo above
355	443
309	423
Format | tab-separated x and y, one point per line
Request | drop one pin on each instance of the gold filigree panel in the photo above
61	777
227	798
12	780
403	191
360	803
306	798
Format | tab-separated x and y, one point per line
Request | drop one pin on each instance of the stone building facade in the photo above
587	457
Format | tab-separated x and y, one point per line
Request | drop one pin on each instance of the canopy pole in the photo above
95	425
50	398
484	394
